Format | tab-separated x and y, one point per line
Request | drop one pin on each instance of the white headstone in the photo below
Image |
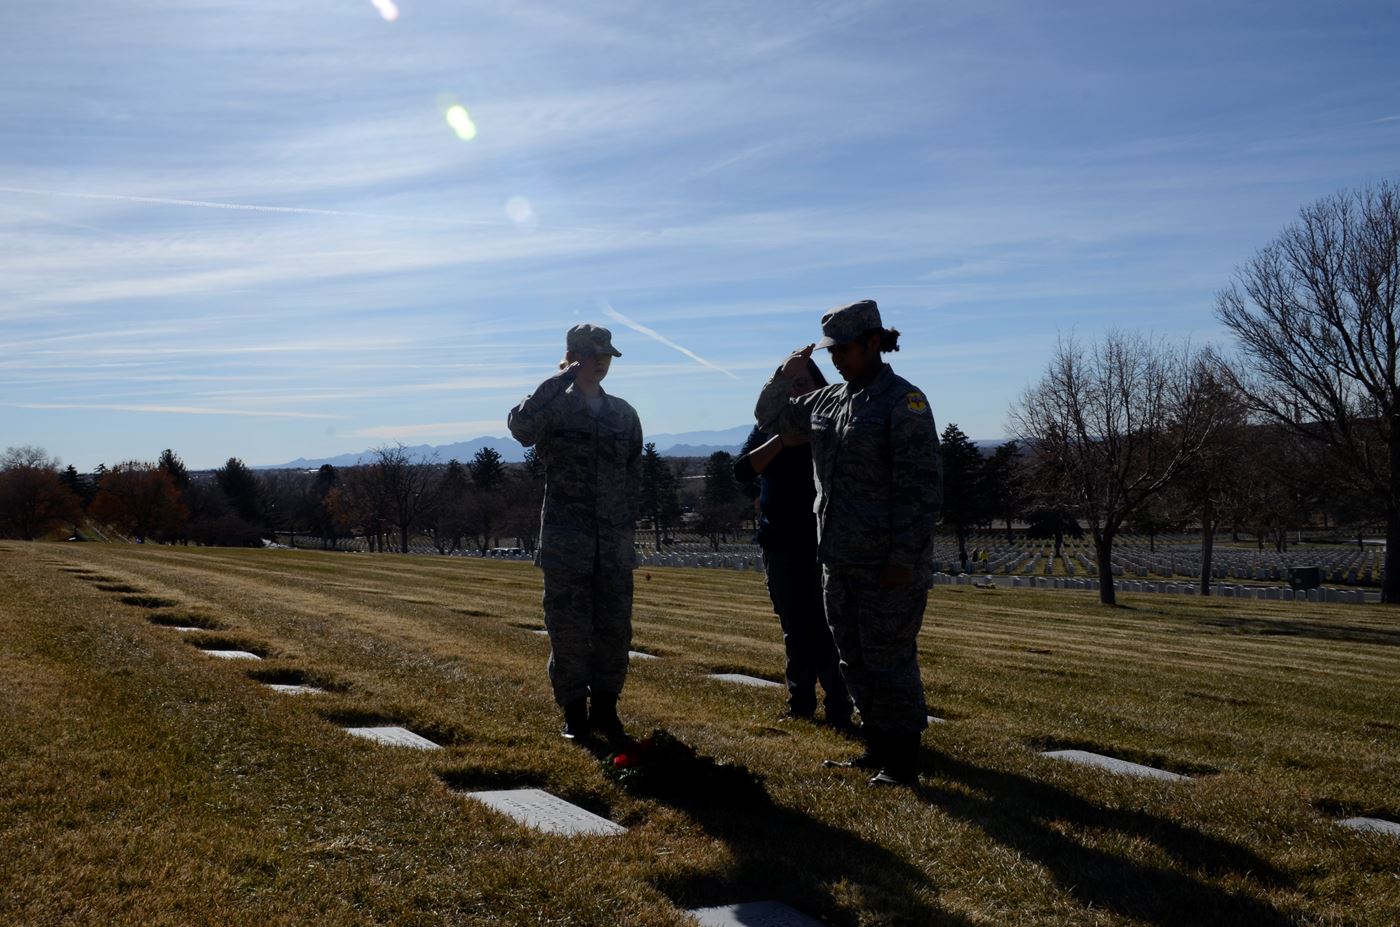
233	654
744	680
638	655
294	690
753	914
542	631
538	809
1122	767
1372	825
393	736
934	719
182	629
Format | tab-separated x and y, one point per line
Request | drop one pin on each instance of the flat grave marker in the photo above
639	655
290	689
542	631
753	914
1121	767
183	629
539	809
394	737
934	719
232	654
1372	825
744	679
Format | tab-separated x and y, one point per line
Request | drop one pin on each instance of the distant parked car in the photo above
506	552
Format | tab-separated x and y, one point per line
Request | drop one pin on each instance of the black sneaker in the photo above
576	720
604	719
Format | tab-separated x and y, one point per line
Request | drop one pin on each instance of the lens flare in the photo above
461	122
519	211
387	8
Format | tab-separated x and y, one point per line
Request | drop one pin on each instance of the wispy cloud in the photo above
459	430
616	316
170	410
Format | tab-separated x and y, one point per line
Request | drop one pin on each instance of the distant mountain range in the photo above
682	444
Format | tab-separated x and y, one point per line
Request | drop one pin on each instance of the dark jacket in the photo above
787	522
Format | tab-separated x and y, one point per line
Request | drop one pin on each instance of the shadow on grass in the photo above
1032	818
1273	627
783	854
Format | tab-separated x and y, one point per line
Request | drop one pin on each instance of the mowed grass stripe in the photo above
996	835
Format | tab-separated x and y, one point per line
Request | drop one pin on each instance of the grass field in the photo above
146	783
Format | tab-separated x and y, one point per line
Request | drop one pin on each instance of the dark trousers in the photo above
795	586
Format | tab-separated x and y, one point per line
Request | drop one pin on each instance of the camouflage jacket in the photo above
593	473
875	456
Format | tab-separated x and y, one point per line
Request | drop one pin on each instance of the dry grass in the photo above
146	783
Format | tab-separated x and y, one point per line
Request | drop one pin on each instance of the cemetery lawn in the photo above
146	783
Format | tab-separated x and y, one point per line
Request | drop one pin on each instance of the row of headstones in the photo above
1260	593
740	562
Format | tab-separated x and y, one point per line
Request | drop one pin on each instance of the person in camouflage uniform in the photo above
879	491
591	446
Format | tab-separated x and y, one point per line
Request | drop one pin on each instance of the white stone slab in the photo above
538	809
1372	825
753	914
744	680
540	631
638	655
295	690
934	719
394	737
182	629
232	654
1122	767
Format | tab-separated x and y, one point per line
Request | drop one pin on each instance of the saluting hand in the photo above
797	361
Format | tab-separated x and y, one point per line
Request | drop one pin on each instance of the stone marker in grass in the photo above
184	629
232	654
753	914
639	655
394	737
1122	767
538	809
291	689
1372	825
542	631
934	719
744	680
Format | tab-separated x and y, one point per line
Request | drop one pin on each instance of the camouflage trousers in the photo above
876	632
589	619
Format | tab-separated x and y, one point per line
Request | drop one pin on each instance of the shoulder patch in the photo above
916	402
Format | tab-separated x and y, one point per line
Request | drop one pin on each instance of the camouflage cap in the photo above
585	340
845	324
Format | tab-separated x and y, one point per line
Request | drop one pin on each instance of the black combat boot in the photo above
576	719
872	758
603	717
900	764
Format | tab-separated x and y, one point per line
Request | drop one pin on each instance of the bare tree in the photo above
1317	315
406	490
1118	424
33	498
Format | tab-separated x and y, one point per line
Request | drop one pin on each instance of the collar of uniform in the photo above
581	400
882	382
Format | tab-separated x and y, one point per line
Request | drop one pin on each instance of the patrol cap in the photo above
589	339
845	324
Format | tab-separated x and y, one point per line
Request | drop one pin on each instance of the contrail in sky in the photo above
616	316
247	207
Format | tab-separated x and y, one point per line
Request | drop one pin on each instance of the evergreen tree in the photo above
659	501
964	499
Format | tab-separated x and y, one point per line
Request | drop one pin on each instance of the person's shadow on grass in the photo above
1031	817
783	854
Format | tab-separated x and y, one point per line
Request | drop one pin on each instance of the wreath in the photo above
662	766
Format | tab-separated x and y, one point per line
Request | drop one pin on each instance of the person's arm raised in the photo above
528	420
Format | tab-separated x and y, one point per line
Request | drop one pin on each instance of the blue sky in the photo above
248	229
